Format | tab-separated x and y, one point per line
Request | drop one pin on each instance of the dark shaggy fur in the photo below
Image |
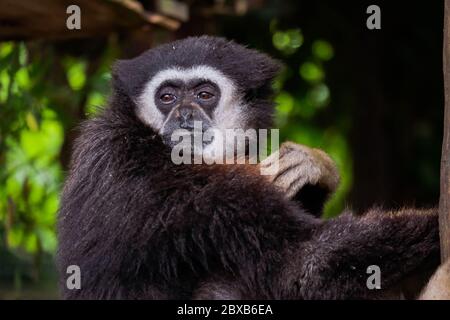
141	227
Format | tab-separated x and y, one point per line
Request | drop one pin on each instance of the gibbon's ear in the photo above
252	70
123	77
264	70
117	74
438	288
130	76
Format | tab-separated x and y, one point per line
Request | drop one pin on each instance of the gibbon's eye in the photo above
205	95
167	98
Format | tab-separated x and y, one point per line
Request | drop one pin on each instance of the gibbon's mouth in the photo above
188	134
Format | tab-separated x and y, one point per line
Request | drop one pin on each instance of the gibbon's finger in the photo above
283	161
270	160
330	175
296	177
318	158
293	164
285	148
327	175
300	165
286	169
294	186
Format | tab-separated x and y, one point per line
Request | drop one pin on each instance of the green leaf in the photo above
311	72
323	50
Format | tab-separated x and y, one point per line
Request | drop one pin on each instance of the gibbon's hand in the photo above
299	166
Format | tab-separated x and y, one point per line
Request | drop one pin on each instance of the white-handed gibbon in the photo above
142	227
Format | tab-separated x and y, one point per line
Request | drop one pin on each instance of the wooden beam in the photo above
444	201
46	19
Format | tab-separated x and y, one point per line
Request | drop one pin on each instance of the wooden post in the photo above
444	201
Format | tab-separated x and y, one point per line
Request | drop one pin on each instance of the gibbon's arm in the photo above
305	175
334	263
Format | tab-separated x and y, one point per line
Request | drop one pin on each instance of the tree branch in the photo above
444	201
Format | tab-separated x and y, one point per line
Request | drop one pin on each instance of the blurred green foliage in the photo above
37	108
30	141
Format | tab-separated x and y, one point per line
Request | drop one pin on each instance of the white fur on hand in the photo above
300	165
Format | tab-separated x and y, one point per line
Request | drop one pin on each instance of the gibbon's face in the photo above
176	98
207	80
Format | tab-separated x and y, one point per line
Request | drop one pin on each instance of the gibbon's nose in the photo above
186	117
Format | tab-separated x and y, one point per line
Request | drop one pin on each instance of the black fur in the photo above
141	227
312	198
